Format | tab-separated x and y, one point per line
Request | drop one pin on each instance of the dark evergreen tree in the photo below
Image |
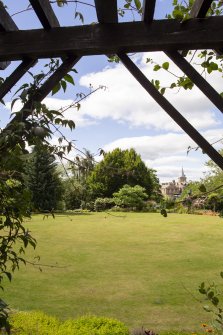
43	179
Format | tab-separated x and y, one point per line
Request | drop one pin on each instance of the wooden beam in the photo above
45	13
16	76
48	19
6	24
4	65
200	8
148	10
110	38
196	78
47	87
171	111
107	11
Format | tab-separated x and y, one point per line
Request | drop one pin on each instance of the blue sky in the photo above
124	115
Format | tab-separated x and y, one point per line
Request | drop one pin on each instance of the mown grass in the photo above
142	269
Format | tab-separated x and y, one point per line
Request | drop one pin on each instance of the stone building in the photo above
174	188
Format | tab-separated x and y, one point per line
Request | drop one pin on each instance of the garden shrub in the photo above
38	323
30	323
102	204
93	325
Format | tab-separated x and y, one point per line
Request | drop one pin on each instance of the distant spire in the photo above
182	173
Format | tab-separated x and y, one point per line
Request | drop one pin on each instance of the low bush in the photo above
27	323
93	325
38	323
102	204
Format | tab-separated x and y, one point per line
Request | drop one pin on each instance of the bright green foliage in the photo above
43	180
118	168
27	323
190	190
74	193
131	197
14	206
93	325
213	305
102	204
75	189
210	62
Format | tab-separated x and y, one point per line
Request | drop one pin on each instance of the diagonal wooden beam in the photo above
171	111
111	38
200	8
16	76
45	13
148	10
196	78
6	24
107	11
48	19
47	87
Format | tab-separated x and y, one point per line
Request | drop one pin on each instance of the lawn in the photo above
143	269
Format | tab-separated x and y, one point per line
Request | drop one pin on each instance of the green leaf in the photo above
73	70
13	102
69	79
214	66
202	188
163	212
215	301
127	5
156	67
138	4
210	295
63	84
162	91
9	275
80	16
157	84
177	14
207	308
71	124
173	85
56	89
165	65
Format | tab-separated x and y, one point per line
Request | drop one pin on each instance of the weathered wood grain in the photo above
45	13
112	38
107	11
148	10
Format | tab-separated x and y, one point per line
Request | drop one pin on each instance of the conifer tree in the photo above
43	179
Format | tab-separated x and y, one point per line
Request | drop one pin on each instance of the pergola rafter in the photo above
148	10
6	24
112	37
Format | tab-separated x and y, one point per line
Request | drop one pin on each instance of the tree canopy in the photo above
118	168
42	179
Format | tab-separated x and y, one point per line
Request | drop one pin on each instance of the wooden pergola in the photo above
110	37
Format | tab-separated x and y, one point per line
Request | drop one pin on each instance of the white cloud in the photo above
167	153
126	101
